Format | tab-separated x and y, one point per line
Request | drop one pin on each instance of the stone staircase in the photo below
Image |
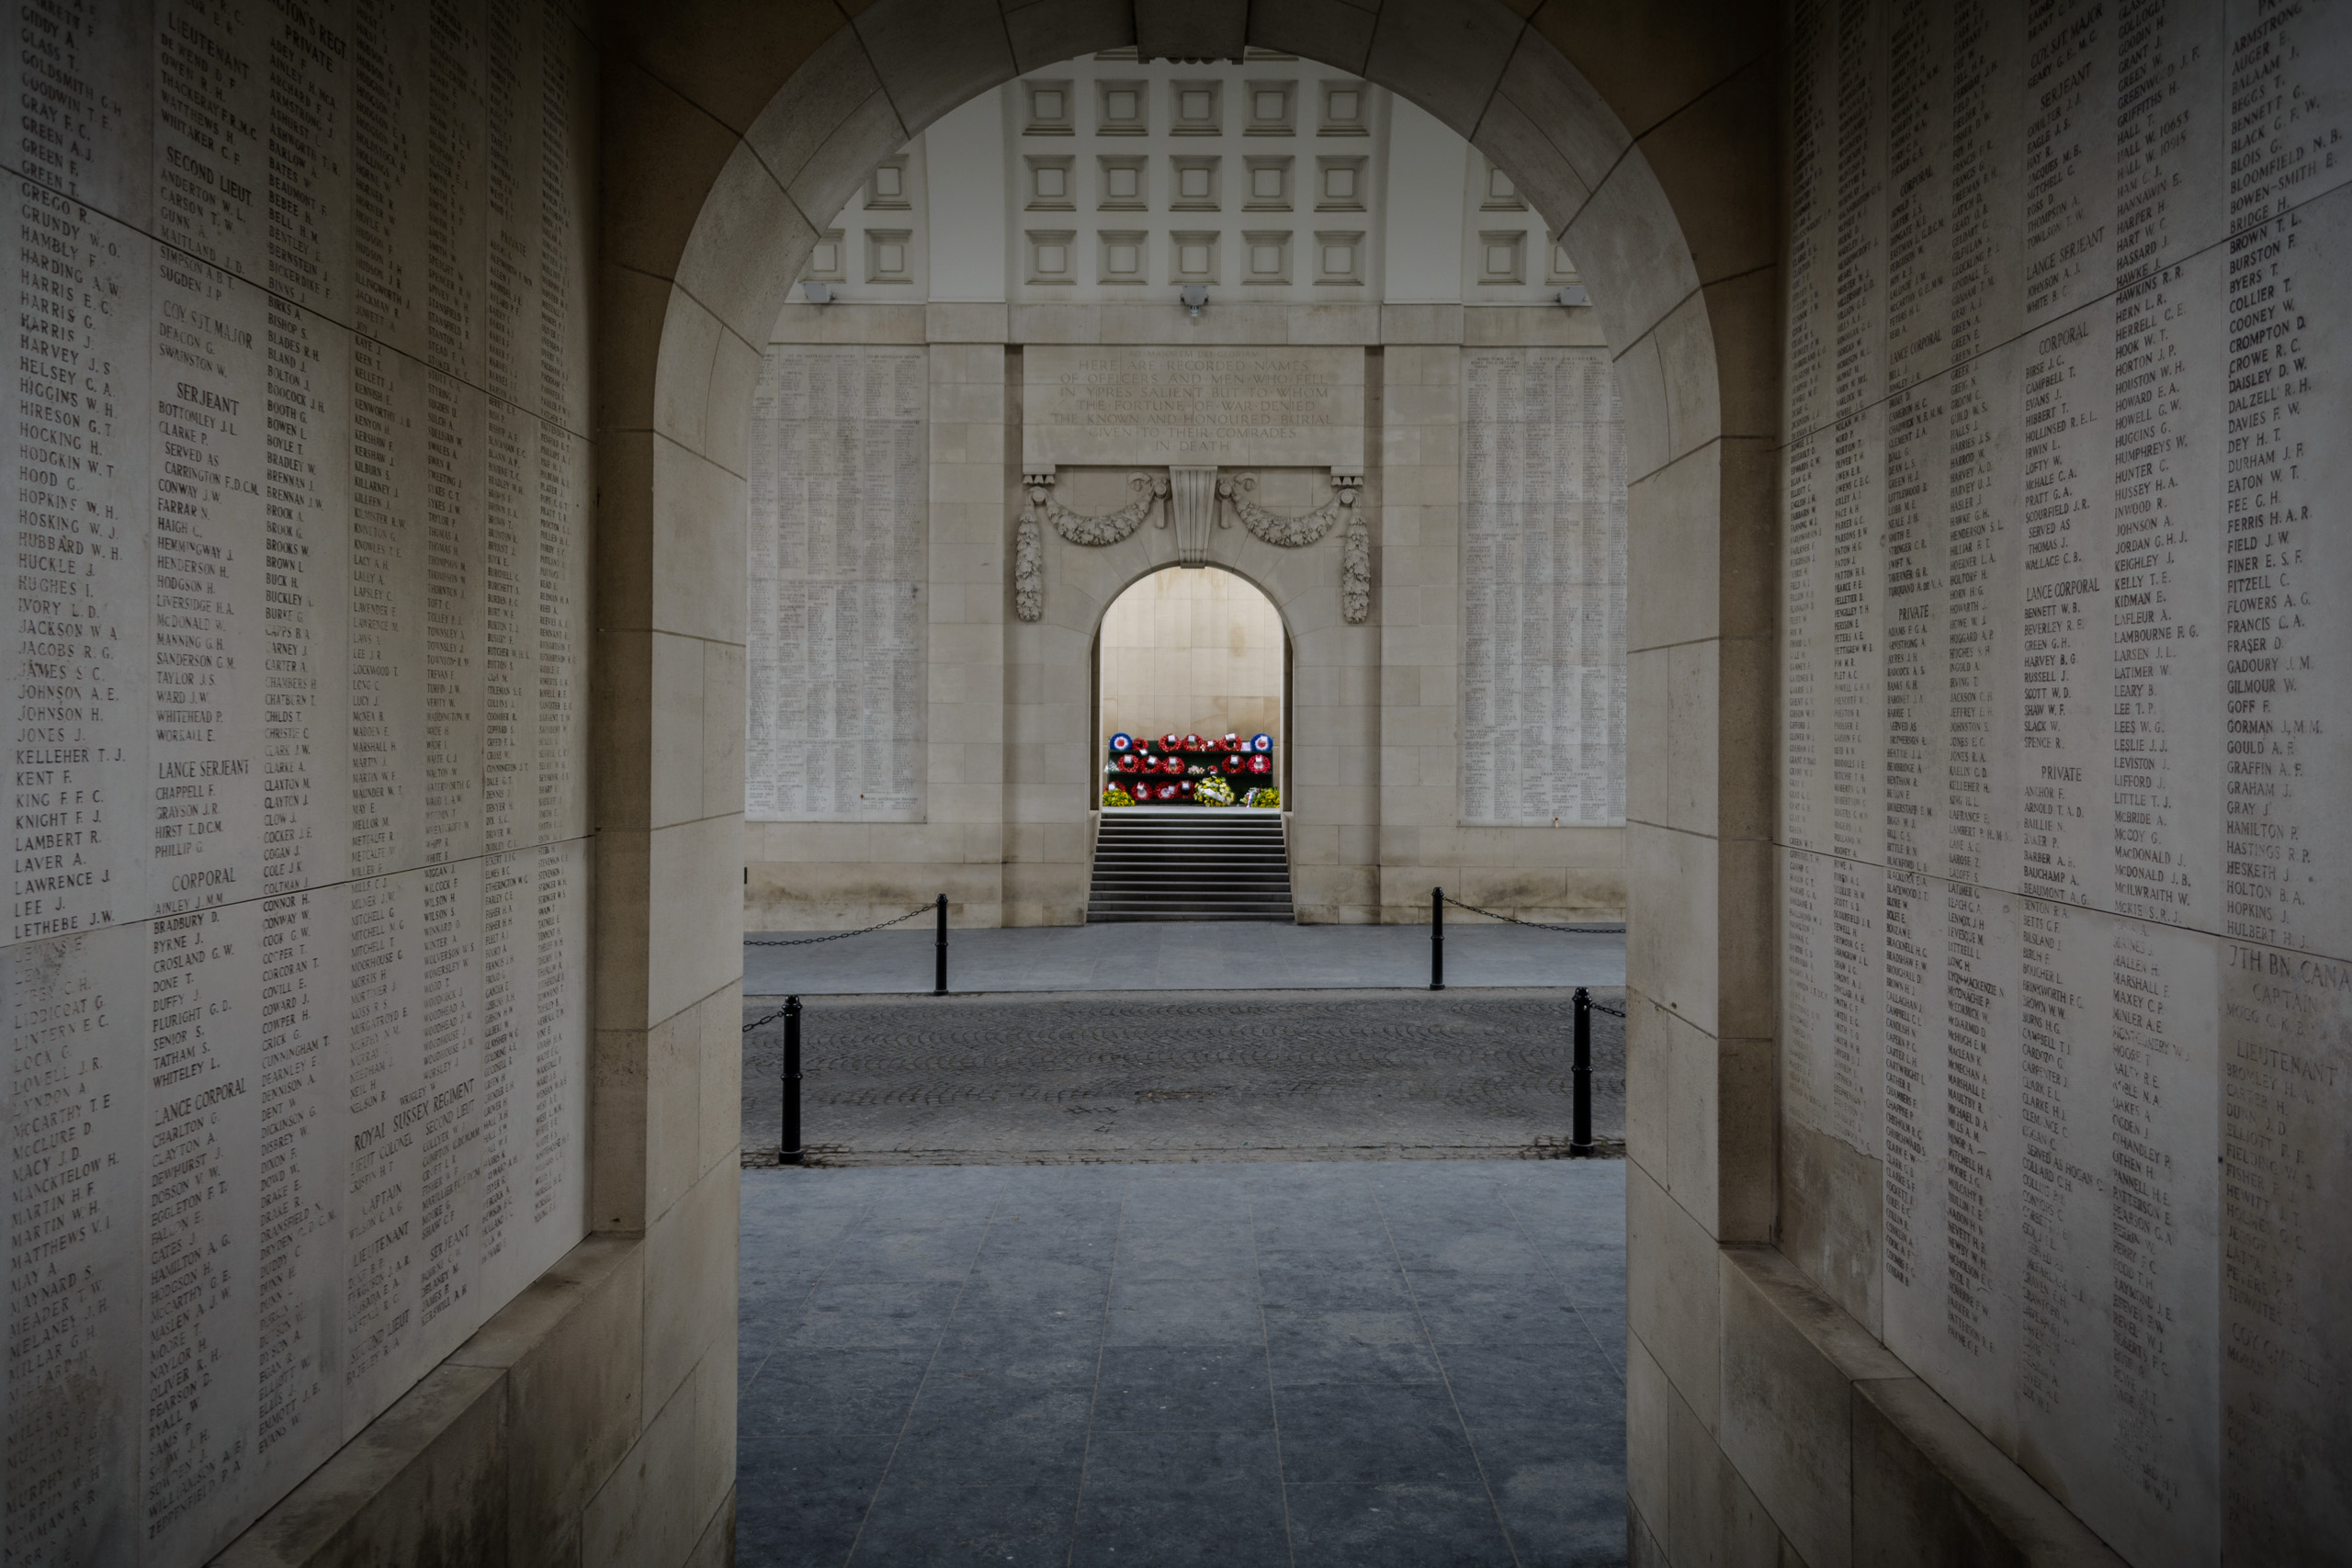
1189	863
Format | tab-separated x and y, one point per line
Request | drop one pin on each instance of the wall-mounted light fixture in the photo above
1574	294
817	293
1194	296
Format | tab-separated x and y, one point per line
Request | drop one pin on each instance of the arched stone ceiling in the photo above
1647	137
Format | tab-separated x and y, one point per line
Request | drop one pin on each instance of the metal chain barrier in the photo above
1439	899
836	936
833	936
1535	925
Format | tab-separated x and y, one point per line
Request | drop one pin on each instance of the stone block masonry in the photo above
297	946
2065	971
839	586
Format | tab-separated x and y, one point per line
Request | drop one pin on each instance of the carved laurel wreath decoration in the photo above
1029	537
1029	567
1299	528
1111	527
1289	531
1355	571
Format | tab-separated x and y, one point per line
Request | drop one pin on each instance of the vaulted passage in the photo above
1191	1220
510	496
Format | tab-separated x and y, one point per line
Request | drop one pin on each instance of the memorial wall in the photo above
2067	739
840	570
298	921
1450	579
1543	589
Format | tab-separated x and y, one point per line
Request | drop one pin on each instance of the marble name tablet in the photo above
2063	736
1543	589
839	573
294	986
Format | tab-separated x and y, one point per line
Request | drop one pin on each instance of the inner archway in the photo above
1652	155
1193	651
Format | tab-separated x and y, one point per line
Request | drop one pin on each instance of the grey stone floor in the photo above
1182	1075
1184	956
1347	1364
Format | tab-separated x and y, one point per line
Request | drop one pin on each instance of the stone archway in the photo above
732	135
1329	721
1233	642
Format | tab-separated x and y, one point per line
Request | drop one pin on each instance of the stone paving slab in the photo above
1185	956
1183	1077
1295	1364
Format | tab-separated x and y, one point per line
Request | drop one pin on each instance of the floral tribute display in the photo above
1190	770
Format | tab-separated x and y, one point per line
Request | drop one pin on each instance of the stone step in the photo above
1195	864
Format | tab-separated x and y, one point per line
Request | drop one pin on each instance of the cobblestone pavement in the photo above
1257	1366
1038	1079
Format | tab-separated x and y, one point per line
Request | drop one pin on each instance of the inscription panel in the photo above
2061	771
2287	1033
839	573
1542	590
1275	407
296	1092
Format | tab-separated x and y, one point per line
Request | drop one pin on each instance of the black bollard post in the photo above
939	971
1580	1077
787	1148
1437	939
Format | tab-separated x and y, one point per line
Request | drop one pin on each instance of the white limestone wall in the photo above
855	873
302	499
1373	756
2064	963
1373	750
1536	871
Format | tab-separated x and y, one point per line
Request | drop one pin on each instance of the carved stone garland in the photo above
1029	537
1111	527
1295	530
1289	531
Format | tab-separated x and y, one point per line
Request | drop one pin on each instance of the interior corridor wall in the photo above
2067	1063
296	949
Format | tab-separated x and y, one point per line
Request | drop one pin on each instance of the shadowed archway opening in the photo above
1193	651
1648	144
